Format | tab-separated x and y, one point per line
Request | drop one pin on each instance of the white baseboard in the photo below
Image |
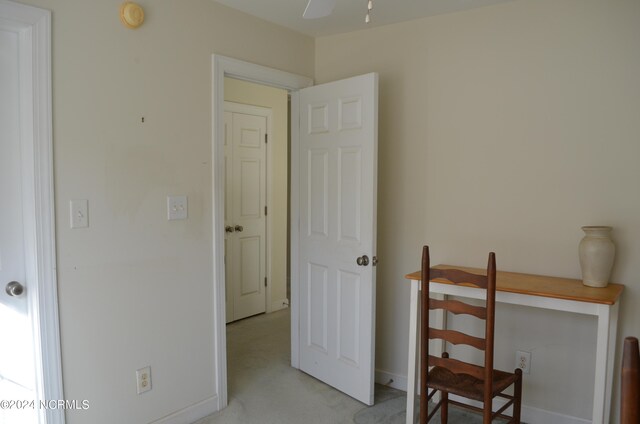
530	415
279	304
390	379
192	413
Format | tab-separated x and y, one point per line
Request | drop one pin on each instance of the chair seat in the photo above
466	385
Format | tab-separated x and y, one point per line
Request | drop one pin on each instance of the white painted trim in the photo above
192	413
269	217
222	66
294	219
529	414
279	304
396	381
33	26
259	74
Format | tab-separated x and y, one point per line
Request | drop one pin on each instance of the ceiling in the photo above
349	15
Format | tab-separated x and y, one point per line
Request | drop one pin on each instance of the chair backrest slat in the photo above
457	276
483	287
457	307
487	313
457	367
456	337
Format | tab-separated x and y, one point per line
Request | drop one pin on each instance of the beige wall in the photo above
135	289
277	100
506	128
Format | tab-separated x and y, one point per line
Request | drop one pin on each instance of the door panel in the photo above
318	208
317	307
246	198
349	288
338	182
17	359
350	188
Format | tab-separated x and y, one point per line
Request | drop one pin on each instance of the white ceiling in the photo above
349	15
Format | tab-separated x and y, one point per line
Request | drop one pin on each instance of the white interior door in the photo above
246	200
17	358
338	183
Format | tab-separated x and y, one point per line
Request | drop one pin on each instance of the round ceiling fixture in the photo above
131	15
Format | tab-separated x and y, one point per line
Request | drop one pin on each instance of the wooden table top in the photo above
539	285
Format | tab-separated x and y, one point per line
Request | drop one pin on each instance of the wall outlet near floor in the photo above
143	379
523	361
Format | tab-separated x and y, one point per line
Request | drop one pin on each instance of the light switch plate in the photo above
177	207
79	213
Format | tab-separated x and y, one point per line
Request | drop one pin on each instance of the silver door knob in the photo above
363	260
228	229
239	228
14	288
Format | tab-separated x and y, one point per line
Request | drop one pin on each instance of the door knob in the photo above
363	260
14	288
239	228
228	229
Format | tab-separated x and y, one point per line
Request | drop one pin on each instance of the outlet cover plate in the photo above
523	361
143	380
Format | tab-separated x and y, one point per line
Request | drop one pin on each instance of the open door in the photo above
337	238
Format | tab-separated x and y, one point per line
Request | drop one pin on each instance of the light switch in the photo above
79	213
176	207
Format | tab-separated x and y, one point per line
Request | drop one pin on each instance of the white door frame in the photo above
33	26
222	67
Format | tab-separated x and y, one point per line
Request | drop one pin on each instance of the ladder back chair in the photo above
453	376
630	383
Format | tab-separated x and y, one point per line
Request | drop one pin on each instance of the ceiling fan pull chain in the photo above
367	19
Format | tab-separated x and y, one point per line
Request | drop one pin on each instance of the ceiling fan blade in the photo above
318	9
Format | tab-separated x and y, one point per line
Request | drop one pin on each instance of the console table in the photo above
561	294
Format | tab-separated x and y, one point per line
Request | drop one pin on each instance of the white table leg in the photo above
412	370
603	341
613	332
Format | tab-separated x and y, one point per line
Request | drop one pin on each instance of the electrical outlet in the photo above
523	361
143	379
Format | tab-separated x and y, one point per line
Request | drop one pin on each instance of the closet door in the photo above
245	220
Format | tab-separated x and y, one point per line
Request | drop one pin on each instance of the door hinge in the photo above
265	211
265	281
266	137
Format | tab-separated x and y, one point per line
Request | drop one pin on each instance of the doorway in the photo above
333	168
227	67
31	369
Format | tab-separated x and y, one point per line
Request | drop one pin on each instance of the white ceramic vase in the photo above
596	256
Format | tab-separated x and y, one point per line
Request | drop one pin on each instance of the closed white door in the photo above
338	183
17	359
246	201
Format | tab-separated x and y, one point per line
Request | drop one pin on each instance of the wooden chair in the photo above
452	376
630	383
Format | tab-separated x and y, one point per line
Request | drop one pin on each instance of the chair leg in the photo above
517	397
444	408
487	412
